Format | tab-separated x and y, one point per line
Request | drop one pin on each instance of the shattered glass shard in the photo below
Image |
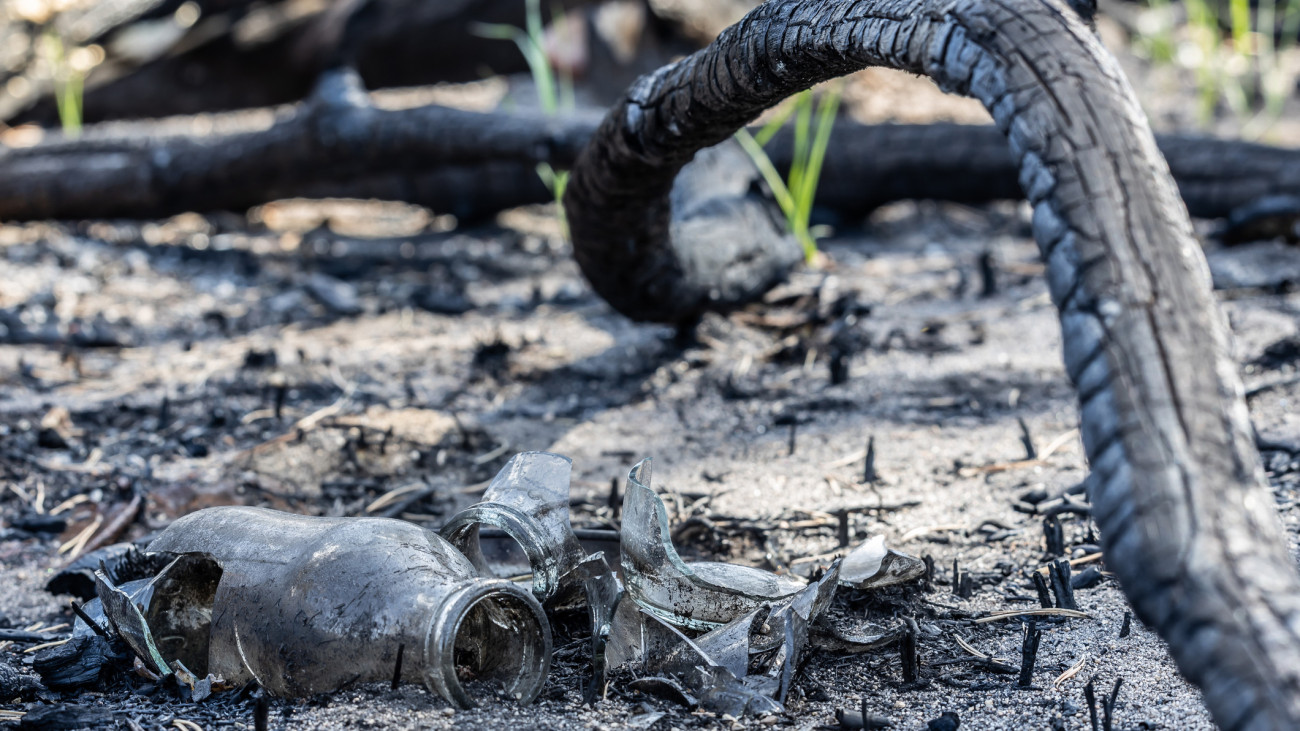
727	646
603	593
129	623
636	636
724	693
681	670
791	620
700	595
873	566
756	620
529	500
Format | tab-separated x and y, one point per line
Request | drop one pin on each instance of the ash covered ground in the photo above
295	361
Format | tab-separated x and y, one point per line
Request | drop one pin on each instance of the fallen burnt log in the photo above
1188	523
336	135
872	165
473	165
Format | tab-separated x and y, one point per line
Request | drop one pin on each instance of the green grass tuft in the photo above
796	193
1236	53
69	84
554	91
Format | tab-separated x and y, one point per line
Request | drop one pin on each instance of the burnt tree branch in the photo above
473	164
336	136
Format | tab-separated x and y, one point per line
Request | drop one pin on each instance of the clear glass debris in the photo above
529	501
603	592
680	669
307	605
126	618
727	646
871	565
757	622
791	621
700	595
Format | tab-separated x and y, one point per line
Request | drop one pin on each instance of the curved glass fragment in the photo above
697	596
529	501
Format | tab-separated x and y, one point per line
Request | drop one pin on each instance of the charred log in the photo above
335	136
473	165
871	166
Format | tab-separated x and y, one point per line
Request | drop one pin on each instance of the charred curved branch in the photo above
1187	522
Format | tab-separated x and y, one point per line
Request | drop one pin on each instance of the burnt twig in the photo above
989	280
908	654
869	463
261	711
1027	439
853	720
838	363
1040	586
615	501
1089	694
91	623
1108	705
1054	536
962	583
119	523
1061	587
1029	653
397	667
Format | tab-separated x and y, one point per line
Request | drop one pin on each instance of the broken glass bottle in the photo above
305	605
529	501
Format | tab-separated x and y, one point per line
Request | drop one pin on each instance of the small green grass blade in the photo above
768	171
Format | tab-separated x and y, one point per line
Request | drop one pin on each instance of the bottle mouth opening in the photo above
489	639
524	537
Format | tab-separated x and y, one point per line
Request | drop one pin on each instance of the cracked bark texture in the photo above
1188	523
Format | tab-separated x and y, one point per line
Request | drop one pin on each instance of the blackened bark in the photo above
473	165
334	138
